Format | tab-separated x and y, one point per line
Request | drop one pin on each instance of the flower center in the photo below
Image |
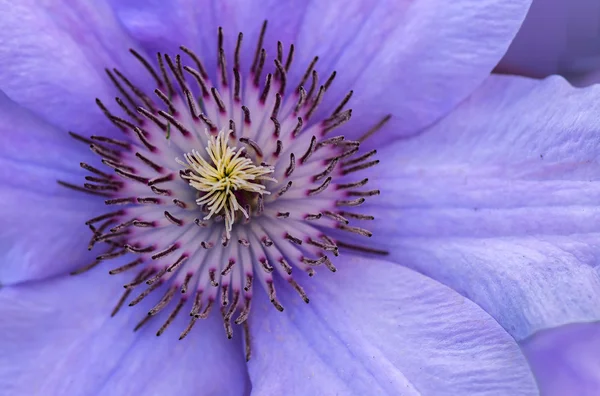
224	187
224	177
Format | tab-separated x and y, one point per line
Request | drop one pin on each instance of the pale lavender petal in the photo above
500	202
54	62
414	59
378	328
42	220
60	339
565	360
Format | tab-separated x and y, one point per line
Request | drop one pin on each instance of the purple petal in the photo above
378	328
557	37
54	62
60	339
500	202
565	360
413	59
42	220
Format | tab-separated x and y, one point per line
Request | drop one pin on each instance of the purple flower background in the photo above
488	209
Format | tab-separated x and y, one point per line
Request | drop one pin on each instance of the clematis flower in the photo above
469	238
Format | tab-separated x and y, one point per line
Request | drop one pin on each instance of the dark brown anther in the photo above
316	102
173	219
149	200
259	44
352	185
142	322
120	201
188	328
329	80
360	167
207	310
375	128
238	47
109	115
284	189
283	215
338	121
140	134
163	301
253	145
308	72
90	168
357	216
310	150
321	188
126	267
248	284
88	267
120	88
160	179
282	76
355	230
298	127
166	100
329	265
207	245
200	223
134	249
165	77
299	289
237	83
182	259
110	155
111	235
186	282
179	203
196	60
264	263
260	205
301	100
138	92
143	224
285	265
160	191
327	170
266	241
197	304
360	159
245	311
112	255
147	65
144	293
292	239
313	85
117	165
290	58
259	68
228	268
266	89
97	187
171	317
218	100
115	142
199	79
311	216
131	176
279	148
224	294
292	166
364	193
336	217
104	217
273	297
247	119
165	252
325	246
172	120
279	51
211	125
212	275
314	262
352	202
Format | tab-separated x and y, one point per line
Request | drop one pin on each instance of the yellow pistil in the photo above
225	173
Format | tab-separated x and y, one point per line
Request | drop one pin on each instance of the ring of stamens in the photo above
262	189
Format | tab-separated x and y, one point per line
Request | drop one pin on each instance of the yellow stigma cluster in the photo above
227	171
